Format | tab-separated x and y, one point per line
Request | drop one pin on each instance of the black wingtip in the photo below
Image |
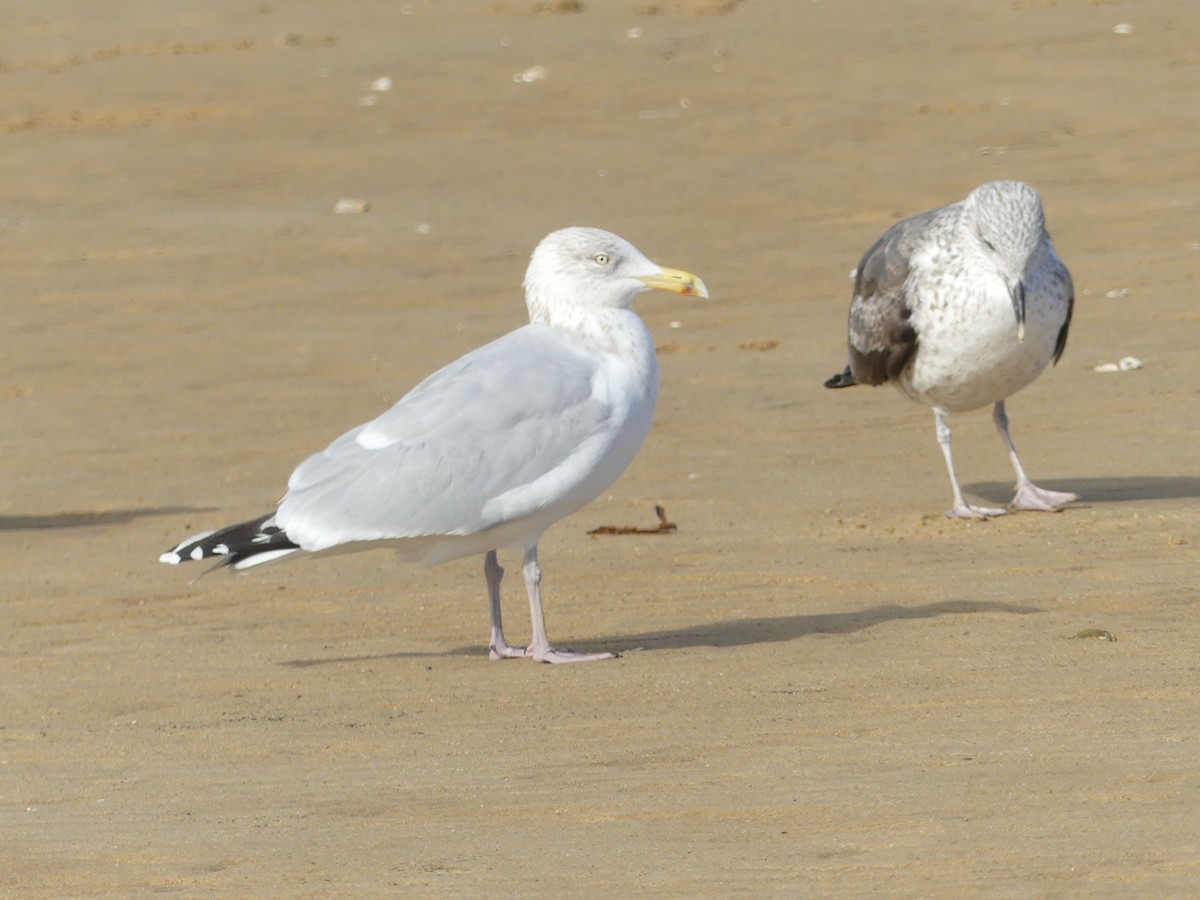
841	379
233	544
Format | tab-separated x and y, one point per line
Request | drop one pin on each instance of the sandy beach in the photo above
825	688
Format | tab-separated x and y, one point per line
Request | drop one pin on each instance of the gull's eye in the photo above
602	259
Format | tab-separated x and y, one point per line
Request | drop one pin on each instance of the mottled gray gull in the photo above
960	307
494	448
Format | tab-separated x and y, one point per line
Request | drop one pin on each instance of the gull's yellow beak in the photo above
677	281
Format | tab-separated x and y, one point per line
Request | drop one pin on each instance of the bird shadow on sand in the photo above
1100	490
82	519
735	632
777	629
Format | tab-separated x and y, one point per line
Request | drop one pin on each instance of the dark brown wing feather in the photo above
882	339
1061	344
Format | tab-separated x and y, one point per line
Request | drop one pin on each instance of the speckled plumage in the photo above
960	307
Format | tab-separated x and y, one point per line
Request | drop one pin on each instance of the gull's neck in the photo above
604	328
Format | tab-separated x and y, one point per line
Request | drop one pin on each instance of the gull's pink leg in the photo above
540	649
962	509
1029	495
498	647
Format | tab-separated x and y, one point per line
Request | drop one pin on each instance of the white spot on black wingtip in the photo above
173	558
234	544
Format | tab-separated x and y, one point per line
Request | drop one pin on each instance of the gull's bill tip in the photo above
677	281
1018	301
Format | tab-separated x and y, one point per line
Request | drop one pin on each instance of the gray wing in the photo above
493	421
1064	275
882	340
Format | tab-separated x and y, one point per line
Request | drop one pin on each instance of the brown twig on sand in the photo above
664	526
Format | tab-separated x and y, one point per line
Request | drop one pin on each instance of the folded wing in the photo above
882	340
524	408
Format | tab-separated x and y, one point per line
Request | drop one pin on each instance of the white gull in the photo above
494	448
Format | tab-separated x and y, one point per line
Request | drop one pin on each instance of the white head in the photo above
582	268
1007	223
